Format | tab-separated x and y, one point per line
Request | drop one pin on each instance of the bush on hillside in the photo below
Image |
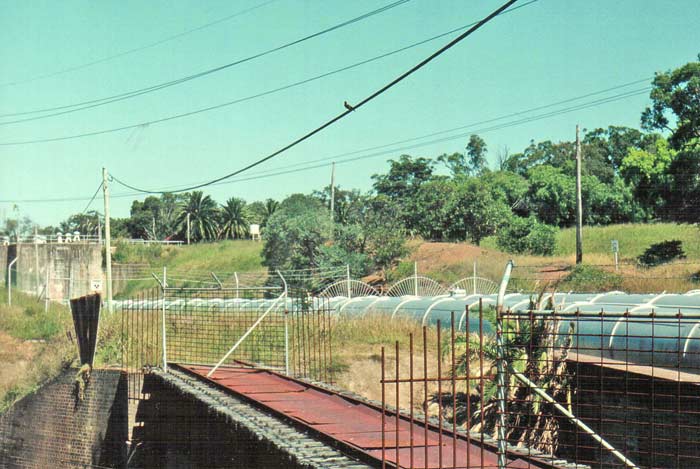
587	278
661	253
527	236
136	253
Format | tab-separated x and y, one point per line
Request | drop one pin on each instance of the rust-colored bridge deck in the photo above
353	424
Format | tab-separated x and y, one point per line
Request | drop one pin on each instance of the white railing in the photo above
79	239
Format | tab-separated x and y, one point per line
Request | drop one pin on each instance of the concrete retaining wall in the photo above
70	268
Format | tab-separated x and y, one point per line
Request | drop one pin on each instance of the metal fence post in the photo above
162	300
286	342
501	369
415	278
47	289
9	281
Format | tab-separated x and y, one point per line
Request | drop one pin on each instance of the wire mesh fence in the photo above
631	380
540	388
270	328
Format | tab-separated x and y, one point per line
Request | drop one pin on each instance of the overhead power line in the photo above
343	157
239	100
471	126
349	109
325	162
150	89
136	49
92	199
235	101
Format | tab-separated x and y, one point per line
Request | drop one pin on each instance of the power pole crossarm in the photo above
108	241
579	202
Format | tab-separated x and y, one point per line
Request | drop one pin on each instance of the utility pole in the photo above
108	240
36	260
188	228
332	197
579	202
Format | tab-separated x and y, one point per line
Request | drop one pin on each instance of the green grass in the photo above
239	255
27	320
35	346
221	256
633	238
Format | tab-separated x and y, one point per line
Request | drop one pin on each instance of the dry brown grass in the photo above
357	345
449	262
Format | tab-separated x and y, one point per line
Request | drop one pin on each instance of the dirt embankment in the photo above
15	360
448	262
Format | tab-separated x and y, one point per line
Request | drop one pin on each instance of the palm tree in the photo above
203	217
233	221
271	205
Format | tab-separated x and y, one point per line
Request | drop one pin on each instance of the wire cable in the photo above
131	94
257	95
92	199
338	158
344	114
135	50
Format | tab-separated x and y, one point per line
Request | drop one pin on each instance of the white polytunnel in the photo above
644	329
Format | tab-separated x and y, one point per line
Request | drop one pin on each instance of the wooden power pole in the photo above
188	228
108	239
332	197
579	202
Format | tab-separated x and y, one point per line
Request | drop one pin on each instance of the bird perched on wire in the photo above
348	106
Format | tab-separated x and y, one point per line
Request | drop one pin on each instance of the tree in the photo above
428	204
384	234
155	217
676	93
604	149
683	197
472	212
676	100
203	215
233	219
552	195
609	203
510	188
476	155
404	178
294	233
345	202
647	172
527	236
559	155
85	223
456	163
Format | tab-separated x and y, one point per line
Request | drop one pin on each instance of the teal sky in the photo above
542	53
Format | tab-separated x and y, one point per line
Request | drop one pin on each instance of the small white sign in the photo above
615	245
255	231
96	285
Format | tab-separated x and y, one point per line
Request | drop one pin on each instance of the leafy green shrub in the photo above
527	236
30	322
661	253
137	253
403	270
586	278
